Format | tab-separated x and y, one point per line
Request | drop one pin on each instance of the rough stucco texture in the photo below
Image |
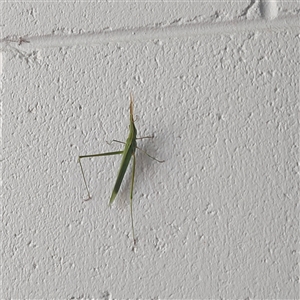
218	219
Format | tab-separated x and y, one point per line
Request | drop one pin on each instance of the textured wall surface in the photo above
217	84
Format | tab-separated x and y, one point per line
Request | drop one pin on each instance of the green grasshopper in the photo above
127	153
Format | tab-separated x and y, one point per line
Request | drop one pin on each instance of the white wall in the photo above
217	84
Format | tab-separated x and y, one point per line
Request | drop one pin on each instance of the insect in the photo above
127	154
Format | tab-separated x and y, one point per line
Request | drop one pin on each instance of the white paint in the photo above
269	9
152	33
219	219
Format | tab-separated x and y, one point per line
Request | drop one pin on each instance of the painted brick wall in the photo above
217	85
